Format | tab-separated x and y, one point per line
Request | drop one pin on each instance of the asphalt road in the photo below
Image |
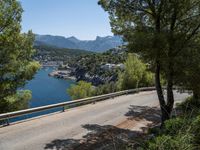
35	134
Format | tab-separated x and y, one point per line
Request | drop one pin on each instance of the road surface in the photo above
35	134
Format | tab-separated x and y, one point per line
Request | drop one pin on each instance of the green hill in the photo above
52	53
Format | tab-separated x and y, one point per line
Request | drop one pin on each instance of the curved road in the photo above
36	133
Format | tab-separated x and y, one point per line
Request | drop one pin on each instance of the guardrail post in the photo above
63	109
94	102
7	122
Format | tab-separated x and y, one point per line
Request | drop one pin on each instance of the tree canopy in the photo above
16	51
159	31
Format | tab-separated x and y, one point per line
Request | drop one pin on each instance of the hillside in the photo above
52	53
100	44
99	68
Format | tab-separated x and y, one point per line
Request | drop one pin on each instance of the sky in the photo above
84	19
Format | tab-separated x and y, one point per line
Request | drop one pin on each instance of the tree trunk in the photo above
170	94
160	94
196	95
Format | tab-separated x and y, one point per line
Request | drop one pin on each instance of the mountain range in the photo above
100	44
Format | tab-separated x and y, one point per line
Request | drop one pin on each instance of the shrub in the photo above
106	88
176	125
81	90
135	74
166	142
196	130
179	133
190	106
16	102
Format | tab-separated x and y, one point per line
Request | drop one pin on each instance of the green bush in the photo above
106	88
180	133
81	90
175	125
166	142
147	79
135	74
196	130
16	102
190	106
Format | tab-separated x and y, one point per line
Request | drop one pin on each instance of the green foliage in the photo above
84	89
190	106
81	90
134	71
106	88
135	74
166	34
196	130
148	79
16	52
15	102
189	74
163	32
59	54
92	63
157	30
175	126
179	133
166	142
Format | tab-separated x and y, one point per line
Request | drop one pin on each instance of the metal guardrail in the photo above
9	115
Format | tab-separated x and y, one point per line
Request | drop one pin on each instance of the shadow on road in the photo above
102	137
108	137
151	114
61	144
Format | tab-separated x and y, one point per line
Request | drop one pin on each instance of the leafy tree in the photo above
133	73
81	90
158	30
16	51
189	75
16	102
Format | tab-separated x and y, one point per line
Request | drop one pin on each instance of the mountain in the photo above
100	44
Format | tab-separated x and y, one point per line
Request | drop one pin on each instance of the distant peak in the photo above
98	38
73	37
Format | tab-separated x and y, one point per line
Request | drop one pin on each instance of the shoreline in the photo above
62	74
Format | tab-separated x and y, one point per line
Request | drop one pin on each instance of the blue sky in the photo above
84	19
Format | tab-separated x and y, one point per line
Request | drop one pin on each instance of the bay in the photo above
46	90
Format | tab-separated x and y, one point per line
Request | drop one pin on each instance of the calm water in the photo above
46	90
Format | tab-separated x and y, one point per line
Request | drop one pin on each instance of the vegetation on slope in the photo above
135	74
180	132
45	52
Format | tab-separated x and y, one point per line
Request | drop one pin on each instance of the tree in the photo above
189	75
16	51
81	90
133	73
159	31
16	102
